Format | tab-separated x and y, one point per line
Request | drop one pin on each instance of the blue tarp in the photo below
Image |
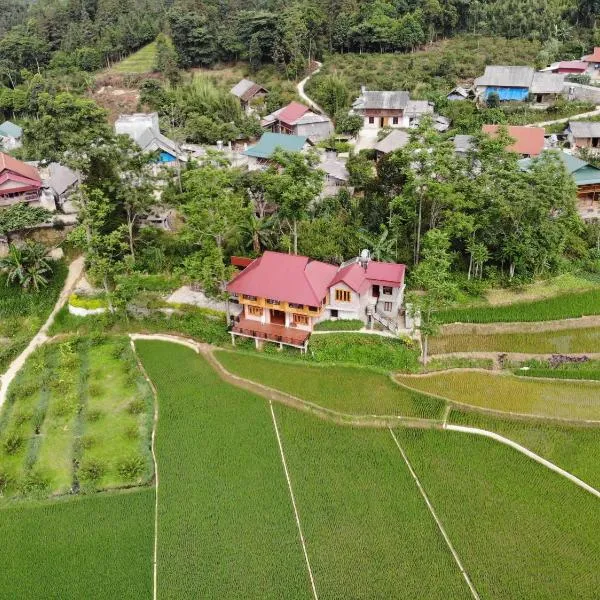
508	93
166	157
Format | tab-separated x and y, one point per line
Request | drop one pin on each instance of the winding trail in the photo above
343	419
592	113
302	93
41	337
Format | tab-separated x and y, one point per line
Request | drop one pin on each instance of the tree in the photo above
347	123
166	59
293	186
27	266
436	288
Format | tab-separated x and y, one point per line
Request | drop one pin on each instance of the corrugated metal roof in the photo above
583	173
9	163
393	141
528	140
382	100
418	107
270	141
506	76
578	65
286	278
240	88
10	129
547	83
291	113
585	129
594	56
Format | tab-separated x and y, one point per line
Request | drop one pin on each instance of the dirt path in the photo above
75	271
302	93
495	357
592	113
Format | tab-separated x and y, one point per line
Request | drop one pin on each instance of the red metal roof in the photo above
572	65
594	57
284	277
241	261
528	140
377	273
8	163
292	112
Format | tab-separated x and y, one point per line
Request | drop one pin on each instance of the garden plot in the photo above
78	415
576	400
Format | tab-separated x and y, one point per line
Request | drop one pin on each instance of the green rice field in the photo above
226	522
521	531
93	547
347	390
563	306
577	400
575	449
141	61
562	341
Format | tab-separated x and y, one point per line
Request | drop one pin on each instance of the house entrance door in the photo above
277	317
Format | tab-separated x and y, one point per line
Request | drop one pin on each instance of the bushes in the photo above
340	325
88	302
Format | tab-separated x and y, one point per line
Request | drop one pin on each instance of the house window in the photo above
313	308
387	291
251	298
395	120
342	295
333	313
255	311
300	319
371	120
298	306
387	306
273	301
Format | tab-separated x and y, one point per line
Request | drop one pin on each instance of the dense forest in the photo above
88	34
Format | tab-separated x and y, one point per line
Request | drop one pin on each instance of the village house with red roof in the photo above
297	119
529	141
19	182
283	295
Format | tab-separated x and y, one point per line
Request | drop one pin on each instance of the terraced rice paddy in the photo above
575	400
563	341
343	389
521	531
562	306
141	61
227	508
573	448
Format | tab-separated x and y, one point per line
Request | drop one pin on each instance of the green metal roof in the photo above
269	142
583	173
9	129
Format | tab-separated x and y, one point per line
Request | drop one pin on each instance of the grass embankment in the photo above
226	525
561	341
368	532
562	306
508	393
202	325
23	313
584	370
77	418
340	325
384	353
575	449
343	389
142	61
520	530
95	547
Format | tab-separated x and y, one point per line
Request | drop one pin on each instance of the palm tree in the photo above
381	246
27	265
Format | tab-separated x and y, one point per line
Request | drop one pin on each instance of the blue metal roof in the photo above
508	93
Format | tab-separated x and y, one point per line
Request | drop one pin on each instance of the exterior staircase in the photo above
389	324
